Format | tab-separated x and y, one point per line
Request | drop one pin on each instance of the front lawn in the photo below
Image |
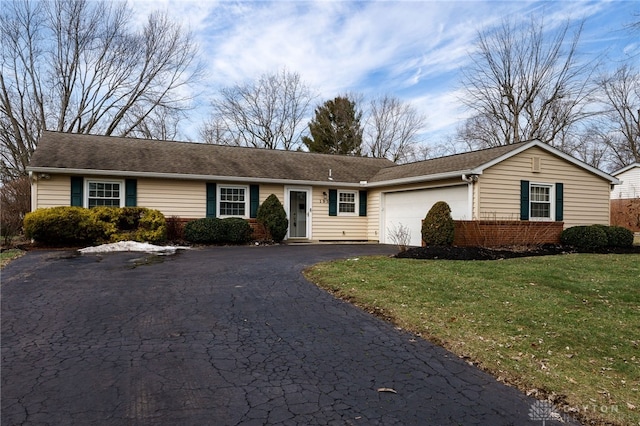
7	256
564	328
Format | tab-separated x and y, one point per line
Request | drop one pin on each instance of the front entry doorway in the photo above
298	209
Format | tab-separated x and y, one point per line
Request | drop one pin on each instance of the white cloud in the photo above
411	49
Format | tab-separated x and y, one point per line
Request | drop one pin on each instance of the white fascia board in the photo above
553	151
214	178
423	178
624	169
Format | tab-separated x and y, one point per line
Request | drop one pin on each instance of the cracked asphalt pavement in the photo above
221	336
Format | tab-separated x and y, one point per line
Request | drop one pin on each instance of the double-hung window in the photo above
105	193
233	201
540	201
347	201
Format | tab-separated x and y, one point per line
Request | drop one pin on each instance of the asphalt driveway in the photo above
221	336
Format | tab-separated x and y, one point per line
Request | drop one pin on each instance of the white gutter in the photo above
216	178
423	178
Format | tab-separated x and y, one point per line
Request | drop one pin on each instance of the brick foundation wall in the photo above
491	233
626	212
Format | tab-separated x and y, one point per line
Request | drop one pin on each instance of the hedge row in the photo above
211	230
597	236
59	226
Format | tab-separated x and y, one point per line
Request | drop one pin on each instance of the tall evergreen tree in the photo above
336	128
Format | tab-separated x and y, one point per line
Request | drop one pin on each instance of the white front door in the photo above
298	208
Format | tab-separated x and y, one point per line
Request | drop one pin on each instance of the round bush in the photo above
585	237
272	216
204	231
236	230
618	236
438	226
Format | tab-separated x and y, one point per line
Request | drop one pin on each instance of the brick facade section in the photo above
626	213
490	233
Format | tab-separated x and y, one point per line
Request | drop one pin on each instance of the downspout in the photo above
34	190
470	179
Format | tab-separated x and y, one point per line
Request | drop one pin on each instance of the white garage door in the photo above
408	209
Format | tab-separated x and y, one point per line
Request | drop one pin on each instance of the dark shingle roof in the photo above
89	152
451	163
78	153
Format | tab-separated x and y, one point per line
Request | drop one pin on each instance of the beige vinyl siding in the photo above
373	214
268	189
181	198
335	228
52	192
586	195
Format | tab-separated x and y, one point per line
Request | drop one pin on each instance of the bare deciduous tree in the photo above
524	84
77	66
392	129
266	113
619	128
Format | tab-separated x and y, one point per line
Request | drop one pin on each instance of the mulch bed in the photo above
481	253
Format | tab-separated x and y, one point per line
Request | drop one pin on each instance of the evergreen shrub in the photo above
203	231
585	237
211	230
272	216
438	227
65	225
236	230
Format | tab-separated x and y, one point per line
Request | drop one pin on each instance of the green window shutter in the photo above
333	202
559	202
131	192
254	200
77	184
211	200
363	203
524	200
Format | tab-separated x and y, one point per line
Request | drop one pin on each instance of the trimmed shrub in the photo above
58	226
211	230
204	231
618	236
132	223
80	226
236	230
438	227
272	216
585	237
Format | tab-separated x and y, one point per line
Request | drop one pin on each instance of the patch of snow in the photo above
131	246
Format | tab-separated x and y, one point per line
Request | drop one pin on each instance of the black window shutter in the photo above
211	200
363	203
254	200
77	184
333	202
524	200
131	192
559	202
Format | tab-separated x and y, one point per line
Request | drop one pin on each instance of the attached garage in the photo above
408	208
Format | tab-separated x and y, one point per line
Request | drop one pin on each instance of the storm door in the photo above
298	213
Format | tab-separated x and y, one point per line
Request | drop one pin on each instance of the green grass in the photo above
8	255
565	328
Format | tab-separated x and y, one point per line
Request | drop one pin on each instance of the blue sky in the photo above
410	49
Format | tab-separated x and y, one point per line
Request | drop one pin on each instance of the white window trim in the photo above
355	201
85	201
219	200
552	202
